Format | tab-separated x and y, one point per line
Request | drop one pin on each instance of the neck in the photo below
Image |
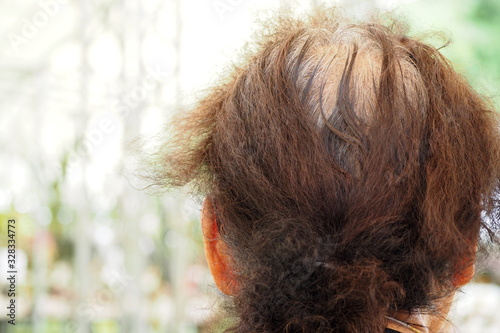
416	322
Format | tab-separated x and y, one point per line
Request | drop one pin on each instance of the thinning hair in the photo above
351	169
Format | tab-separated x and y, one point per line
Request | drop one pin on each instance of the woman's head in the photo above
349	170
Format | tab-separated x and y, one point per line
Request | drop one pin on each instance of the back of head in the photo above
351	171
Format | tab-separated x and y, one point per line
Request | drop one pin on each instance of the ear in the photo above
466	272
216	252
464	276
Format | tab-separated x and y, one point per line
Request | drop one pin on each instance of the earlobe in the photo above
216	251
466	271
464	276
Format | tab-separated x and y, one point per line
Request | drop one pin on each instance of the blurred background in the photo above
81	78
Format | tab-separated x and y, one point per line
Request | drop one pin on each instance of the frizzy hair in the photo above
351	170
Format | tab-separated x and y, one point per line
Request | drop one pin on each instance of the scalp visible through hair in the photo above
347	144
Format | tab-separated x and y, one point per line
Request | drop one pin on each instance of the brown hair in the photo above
351	169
